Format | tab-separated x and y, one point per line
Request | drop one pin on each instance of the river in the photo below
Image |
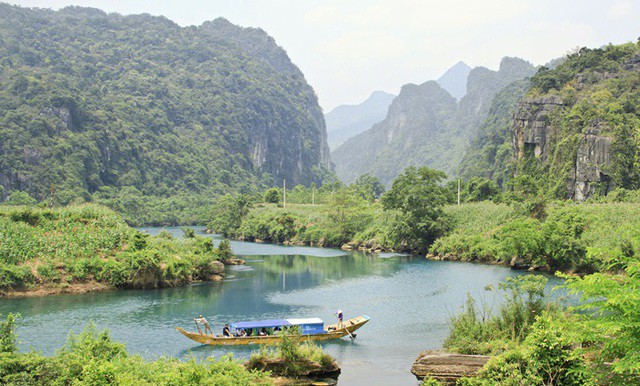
409	300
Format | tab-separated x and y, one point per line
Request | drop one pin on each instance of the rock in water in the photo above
446	367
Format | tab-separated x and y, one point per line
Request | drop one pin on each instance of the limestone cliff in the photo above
578	123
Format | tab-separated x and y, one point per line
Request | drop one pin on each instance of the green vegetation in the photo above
406	218
419	198
594	343
477	330
293	359
151	119
591	92
93	358
58	247
490	154
569	237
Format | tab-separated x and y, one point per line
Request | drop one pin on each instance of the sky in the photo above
348	49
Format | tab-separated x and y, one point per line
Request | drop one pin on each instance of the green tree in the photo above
368	187
612	301
420	198
272	196
347	214
481	189
20	198
224	250
228	213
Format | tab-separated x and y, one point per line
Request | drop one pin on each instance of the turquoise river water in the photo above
409	300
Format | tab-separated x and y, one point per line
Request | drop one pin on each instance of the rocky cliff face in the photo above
425	125
534	133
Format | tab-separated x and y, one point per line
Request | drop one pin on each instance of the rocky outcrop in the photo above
591	162
531	126
533	132
446	367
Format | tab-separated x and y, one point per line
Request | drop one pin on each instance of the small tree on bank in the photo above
418	195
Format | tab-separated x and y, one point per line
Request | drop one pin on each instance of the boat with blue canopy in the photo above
270	331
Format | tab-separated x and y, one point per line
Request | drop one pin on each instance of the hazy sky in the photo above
349	48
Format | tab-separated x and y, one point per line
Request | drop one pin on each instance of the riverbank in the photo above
564	236
88	248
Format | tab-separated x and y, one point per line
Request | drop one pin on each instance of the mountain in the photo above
426	126
571	132
576	131
346	121
454	80
102	106
490	154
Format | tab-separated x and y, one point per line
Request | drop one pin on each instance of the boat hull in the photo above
332	332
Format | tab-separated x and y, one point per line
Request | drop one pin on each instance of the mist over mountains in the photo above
426	125
346	121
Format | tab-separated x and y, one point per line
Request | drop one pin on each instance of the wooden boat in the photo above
311	329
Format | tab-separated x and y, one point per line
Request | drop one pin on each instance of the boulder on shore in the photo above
447	367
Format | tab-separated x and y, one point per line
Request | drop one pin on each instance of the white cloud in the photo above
621	10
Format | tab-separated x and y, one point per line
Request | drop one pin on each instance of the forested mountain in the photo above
572	132
346	121
576	132
131	109
454	80
426	126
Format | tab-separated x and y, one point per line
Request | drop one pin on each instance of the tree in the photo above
368	187
612	301
20	198
8	335
481	189
228	213
347	214
420	198
272	196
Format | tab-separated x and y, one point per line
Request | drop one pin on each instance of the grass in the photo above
90	243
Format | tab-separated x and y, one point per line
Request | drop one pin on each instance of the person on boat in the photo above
241	333
340	317
225	330
249	331
205	324
263	332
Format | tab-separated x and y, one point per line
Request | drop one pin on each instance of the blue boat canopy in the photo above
261	324
308	325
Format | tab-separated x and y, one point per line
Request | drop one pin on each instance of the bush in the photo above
480	331
272	196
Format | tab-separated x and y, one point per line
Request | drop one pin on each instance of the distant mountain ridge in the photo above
454	80
426	126
346	121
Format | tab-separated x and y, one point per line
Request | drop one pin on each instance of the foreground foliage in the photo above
293	359
58	247
559	347
93	358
